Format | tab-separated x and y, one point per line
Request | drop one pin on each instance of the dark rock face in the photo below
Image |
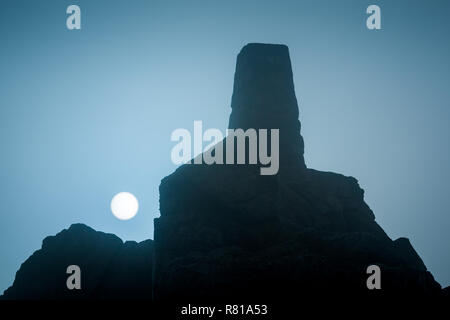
110	269
264	97
446	292
226	231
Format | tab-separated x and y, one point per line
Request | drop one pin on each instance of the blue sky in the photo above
85	114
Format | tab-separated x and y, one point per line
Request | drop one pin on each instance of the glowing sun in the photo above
124	205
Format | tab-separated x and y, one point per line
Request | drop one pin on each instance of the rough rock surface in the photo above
446	292
110	269
226	231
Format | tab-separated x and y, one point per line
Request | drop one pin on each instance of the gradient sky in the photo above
86	114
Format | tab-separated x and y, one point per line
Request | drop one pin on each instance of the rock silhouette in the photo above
228	232
110	269
264	97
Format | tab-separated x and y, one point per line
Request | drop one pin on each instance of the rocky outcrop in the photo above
264	97
226	231
229	234
110	269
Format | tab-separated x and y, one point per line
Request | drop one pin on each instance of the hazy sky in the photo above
86	114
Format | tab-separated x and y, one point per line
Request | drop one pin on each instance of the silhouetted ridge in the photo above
110	269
